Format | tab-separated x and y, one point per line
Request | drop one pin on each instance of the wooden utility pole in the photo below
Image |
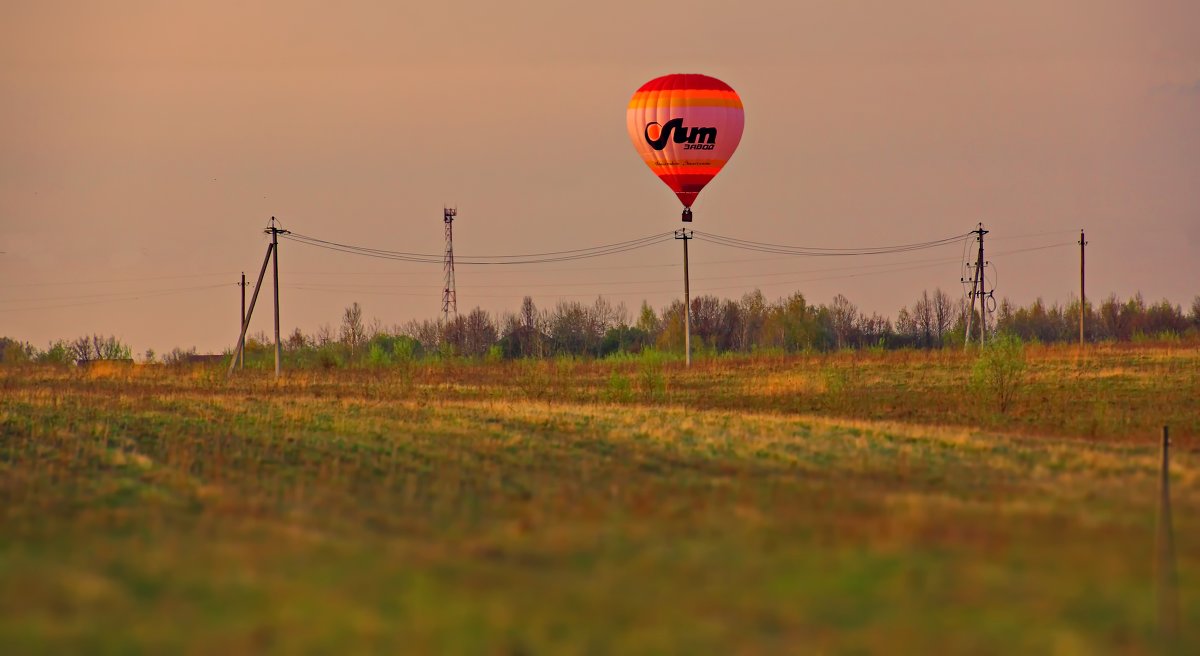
977	292
274	230
241	345
1082	289
241	353
685	235
982	298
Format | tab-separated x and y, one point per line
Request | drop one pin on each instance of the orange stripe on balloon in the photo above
685	98
665	101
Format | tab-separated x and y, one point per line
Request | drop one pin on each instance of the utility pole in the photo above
685	235
449	296
274	230
970	312
241	354
982	299
977	292
1082	289
241	345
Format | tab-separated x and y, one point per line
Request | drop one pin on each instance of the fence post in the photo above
1166	579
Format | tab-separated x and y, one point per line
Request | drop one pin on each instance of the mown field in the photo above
846	503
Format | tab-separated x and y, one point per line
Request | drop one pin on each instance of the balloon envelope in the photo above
685	127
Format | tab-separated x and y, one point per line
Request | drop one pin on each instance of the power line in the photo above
625	282
120	298
893	267
116	280
75	297
815	251
1029	235
425	272
505	296
612	249
525	258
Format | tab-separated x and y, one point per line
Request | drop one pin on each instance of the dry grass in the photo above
854	502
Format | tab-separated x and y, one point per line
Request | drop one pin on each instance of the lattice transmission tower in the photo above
449	301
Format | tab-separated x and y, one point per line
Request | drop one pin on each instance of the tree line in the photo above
744	325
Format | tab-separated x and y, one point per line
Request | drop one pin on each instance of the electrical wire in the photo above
112	297
525	258
1033	234
813	251
672	290
352	286
549	253
894	267
118	280
426	272
611	249
819	248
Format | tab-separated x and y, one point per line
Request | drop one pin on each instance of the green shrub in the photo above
57	353
330	357
999	371
495	354
836	379
14	352
533	378
378	356
651	380
620	388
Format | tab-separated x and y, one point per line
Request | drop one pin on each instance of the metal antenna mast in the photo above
449	300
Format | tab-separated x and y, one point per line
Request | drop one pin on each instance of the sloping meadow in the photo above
539	507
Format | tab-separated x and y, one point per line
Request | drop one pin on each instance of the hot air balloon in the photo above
685	127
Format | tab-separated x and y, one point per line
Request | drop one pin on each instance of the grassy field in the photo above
848	503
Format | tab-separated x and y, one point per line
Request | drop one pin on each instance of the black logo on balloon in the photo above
657	135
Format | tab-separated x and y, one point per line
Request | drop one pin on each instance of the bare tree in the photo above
324	335
81	350
753	311
522	332
572	328
943	314
478	333
97	347
843	315
354	334
605	315
706	319
427	332
873	330
906	325
296	341
730	328
923	315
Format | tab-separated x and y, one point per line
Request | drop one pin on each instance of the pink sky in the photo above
144	145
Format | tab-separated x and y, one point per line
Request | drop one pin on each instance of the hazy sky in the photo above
144	146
